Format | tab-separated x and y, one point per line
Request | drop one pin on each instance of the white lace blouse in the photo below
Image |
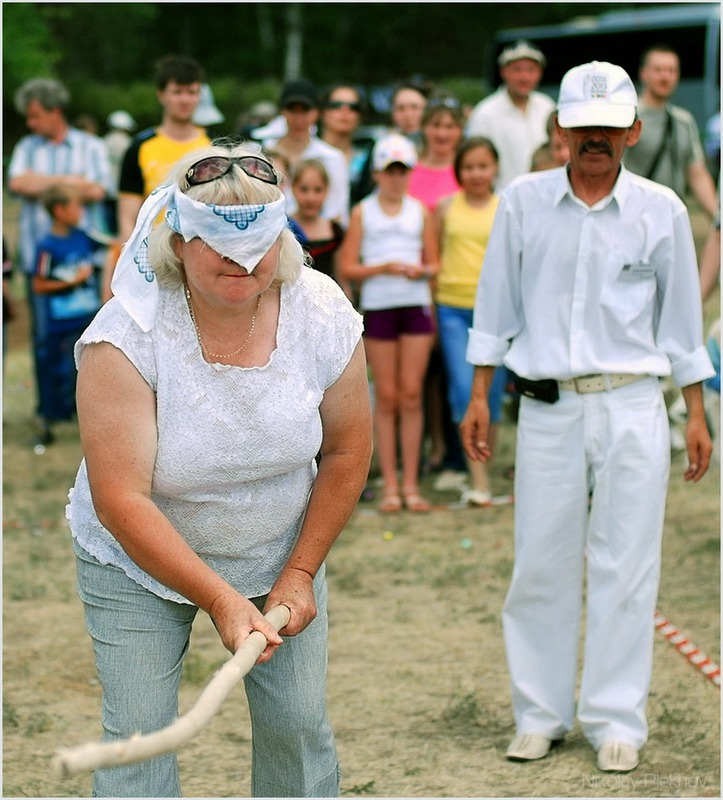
236	446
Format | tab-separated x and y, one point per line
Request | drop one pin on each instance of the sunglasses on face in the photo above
335	105
586	130
213	167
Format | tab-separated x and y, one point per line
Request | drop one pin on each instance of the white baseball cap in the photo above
519	51
122	120
598	93
394	149
207	112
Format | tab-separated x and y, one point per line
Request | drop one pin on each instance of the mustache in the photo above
596	147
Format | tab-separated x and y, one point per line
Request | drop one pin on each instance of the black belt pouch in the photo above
545	390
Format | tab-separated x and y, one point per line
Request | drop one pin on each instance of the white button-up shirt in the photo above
569	289
515	133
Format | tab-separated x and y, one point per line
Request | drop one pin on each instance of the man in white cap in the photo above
589	293
515	116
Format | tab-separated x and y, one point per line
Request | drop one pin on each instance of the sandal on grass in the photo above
414	501
390	503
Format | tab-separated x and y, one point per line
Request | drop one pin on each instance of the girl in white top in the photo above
391	249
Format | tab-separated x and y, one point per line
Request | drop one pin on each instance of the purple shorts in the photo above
391	323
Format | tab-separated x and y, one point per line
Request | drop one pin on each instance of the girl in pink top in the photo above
432	179
442	128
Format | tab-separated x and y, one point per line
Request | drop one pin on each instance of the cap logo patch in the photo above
597	87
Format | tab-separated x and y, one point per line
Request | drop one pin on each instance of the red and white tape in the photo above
688	649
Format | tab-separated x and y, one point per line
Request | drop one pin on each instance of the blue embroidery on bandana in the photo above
172	219
240	216
143	262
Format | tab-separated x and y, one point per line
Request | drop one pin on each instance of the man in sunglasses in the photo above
299	105
589	293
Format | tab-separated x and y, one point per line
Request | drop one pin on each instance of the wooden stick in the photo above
93	755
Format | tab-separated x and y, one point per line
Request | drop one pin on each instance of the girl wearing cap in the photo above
202	404
390	249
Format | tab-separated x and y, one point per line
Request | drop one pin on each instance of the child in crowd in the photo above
442	129
464	221
432	179
391	249
66	283
320	237
555	152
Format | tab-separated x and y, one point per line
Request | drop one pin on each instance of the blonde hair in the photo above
58	194
310	164
234	188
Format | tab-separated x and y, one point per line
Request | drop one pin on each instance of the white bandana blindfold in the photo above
242	233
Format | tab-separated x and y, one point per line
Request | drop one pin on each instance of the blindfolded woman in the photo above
207	388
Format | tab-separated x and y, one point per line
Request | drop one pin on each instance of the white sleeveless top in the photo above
236	446
397	238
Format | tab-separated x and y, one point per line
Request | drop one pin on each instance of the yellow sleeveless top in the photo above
464	242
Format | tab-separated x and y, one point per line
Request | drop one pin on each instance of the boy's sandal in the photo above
390	503
414	501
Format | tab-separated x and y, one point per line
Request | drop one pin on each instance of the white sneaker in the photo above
617	757
449	479
475	497
528	747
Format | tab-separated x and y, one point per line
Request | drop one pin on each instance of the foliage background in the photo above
104	52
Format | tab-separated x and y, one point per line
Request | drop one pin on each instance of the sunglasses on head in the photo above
213	167
444	102
337	104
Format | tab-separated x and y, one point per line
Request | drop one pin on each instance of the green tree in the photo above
29	48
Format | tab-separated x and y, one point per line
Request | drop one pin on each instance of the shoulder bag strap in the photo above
667	137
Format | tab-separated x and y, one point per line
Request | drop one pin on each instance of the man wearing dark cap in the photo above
299	104
590	295
515	116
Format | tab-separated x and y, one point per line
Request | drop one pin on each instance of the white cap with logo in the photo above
393	149
598	93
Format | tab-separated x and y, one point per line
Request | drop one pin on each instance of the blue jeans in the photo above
453	331
140	641
55	370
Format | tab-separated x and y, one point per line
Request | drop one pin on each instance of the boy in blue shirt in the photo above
65	281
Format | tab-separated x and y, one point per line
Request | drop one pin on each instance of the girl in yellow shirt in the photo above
464	221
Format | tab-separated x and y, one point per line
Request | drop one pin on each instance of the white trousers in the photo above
591	478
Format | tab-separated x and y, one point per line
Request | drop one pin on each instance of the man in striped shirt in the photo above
54	153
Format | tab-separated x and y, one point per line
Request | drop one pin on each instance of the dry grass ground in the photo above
418	685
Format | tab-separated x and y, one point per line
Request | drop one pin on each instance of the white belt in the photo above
586	384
